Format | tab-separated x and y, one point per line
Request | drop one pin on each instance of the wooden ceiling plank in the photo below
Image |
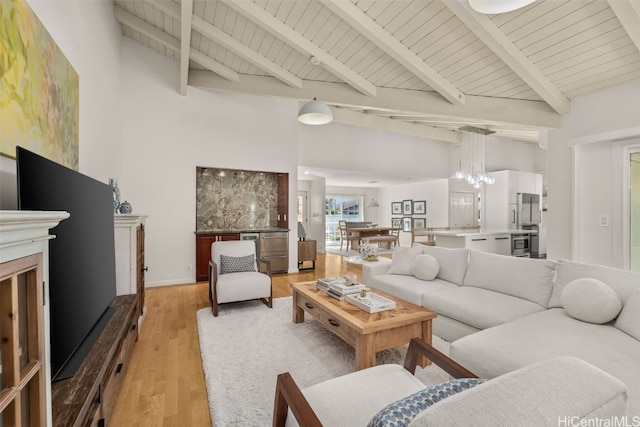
629	15
391	13
511	21
596	72
578	44
628	74
411	24
337	35
589	26
381	38
186	12
376	8
531	113
284	9
498	42
566	15
406	18
450	44
589	60
235	46
143	27
293	38
430	18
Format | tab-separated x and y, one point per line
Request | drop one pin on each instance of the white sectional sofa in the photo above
502	313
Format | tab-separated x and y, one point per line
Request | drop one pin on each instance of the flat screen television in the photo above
82	273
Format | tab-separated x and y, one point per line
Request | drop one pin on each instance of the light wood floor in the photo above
164	383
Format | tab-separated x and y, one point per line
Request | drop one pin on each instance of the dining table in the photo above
357	233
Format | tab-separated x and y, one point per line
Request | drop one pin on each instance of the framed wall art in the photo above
420	207
396	208
39	90
419	222
407	207
406	223
396	222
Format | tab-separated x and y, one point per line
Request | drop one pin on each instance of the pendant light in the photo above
315	112
474	139
492	7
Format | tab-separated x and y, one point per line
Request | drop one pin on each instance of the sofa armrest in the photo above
556	391
288	394
418	347
372	269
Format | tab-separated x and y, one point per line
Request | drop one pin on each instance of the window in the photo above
340	207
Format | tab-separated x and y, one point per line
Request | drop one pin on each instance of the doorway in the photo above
340	207
303	217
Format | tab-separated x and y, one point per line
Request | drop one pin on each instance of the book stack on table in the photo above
338	288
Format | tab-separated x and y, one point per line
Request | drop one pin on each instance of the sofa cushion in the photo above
591	301
530	279
425	267
403	260
409	288
622	281
555	392
341	402
480	308
453	262
548	334
629	318
403	411
237	264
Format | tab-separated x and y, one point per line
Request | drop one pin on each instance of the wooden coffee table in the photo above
368	333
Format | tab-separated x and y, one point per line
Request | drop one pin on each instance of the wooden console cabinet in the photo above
130	268
203	251
25	386
87	398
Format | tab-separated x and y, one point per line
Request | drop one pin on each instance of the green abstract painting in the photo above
39	89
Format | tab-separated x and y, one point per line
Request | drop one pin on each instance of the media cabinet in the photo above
88	397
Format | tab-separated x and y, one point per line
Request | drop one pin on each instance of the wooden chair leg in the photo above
214	307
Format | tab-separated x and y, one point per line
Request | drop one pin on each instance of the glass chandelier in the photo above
474	147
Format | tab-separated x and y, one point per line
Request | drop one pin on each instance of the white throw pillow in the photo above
590	300
403	260
629	319
425	267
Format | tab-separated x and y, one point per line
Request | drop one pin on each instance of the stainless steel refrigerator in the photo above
528	218
528	209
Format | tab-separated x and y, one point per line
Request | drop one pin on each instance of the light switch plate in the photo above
604	220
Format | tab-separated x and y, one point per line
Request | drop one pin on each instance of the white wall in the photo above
166	135
346	147
90	37
577	186
435	193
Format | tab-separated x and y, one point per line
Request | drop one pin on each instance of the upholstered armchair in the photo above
552	392
234	274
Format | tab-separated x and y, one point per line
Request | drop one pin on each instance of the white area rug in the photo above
248	345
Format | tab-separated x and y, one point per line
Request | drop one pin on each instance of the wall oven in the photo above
520	245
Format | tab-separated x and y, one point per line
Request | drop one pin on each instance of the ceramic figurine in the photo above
125	207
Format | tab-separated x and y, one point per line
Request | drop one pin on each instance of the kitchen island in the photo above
503	242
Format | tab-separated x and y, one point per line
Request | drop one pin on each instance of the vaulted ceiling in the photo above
421	67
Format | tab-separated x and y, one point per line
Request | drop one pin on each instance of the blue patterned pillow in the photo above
237	264
402	412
